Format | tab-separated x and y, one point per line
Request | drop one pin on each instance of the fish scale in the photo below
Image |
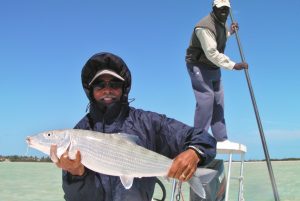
116	158
113	156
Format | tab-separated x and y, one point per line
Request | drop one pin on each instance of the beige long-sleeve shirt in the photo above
209	46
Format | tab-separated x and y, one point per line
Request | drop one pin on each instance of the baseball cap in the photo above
102	72
220	3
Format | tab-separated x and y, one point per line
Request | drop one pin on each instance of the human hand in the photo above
184	165
75	166
234	27
240	66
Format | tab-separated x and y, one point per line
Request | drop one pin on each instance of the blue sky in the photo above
44	45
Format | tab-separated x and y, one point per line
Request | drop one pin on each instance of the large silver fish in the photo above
110	154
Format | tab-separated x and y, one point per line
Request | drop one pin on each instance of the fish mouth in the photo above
28	140
29	144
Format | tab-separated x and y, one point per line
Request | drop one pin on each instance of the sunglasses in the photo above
112	84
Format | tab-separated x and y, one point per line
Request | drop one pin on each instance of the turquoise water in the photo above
42	181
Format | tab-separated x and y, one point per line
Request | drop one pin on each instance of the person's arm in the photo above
209	46
200	149
189	147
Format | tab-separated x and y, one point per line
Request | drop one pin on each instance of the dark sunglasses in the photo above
112	84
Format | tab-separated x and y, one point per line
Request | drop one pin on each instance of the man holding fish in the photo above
106	81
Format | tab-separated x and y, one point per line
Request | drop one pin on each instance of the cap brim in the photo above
219	5
102	72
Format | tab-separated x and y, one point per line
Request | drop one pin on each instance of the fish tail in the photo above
196	184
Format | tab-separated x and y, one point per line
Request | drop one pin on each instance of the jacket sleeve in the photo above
87	187
202	141
78	188
176	137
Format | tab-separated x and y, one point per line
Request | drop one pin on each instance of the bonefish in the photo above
110	154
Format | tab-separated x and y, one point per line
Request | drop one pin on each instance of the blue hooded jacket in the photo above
156	132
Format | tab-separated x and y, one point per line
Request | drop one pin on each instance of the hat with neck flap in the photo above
105	61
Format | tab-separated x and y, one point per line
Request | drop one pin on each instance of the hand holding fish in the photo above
75	166
184	165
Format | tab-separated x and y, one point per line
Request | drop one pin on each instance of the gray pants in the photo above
209	95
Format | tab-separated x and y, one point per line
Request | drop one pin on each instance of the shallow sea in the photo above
42	182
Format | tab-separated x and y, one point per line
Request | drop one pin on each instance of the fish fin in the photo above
72	154
130	138
167	178
196	184
62	149
53	153
126	181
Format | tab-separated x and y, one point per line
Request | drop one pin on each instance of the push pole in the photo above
261	132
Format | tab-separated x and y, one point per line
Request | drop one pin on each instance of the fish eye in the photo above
49	134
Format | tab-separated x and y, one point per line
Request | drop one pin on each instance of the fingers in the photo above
241	66
75	167
78	156
64	161
235	25
189	173
179	174
186	174
182	177
244	65
55	159
184	166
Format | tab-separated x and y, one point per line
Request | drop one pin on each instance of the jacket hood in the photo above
101	61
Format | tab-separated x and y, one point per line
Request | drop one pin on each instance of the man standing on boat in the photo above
204	58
